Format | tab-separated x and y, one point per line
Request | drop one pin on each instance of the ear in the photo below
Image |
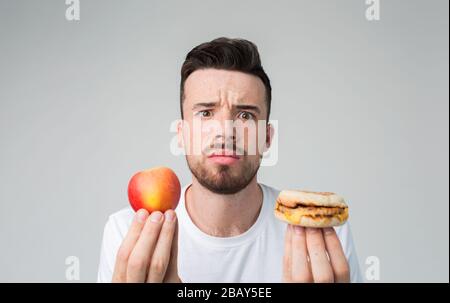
270	131
180	134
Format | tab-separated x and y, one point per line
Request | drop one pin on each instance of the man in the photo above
224	229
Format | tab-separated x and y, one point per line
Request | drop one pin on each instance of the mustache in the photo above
229	148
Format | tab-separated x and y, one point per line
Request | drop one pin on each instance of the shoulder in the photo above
270	196
116	228
119	222
270	193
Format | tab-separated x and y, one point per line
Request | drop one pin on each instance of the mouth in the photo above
224	157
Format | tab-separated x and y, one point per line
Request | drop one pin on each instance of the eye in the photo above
245	115
204	113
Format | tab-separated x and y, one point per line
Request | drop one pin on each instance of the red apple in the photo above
154	189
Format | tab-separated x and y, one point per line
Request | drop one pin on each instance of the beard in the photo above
224	179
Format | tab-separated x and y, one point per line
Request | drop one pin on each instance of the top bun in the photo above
292	198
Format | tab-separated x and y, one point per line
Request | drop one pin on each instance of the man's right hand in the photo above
149	251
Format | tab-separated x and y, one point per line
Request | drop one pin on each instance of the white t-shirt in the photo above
254	256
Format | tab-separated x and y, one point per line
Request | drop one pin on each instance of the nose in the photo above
226	132
224	142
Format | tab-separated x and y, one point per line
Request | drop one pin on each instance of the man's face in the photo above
222	113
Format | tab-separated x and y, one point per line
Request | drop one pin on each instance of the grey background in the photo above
362	109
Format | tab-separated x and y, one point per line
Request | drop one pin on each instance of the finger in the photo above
139	260
287	258
338	260
300	268
161	255
172	269
320	265
120	268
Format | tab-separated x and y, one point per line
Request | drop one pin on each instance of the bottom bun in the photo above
309	221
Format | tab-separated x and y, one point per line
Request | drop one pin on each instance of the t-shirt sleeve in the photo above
345	236
112	239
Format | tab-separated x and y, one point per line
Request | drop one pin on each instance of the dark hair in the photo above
229	54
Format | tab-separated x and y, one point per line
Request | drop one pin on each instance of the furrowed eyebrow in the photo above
204	104
214	104
249	107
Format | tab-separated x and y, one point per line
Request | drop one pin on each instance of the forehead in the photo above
216	84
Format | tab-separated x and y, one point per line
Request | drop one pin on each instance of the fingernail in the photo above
299	230
328	230
156	216
141	215
170	215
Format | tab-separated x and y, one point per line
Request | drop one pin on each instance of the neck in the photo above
223	215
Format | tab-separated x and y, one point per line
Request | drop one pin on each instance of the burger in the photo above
311	209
